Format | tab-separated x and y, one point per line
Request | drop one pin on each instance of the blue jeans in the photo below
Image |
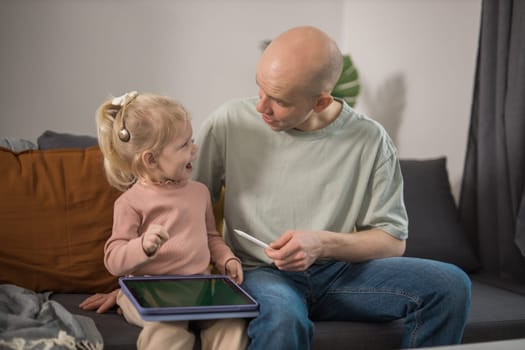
433	298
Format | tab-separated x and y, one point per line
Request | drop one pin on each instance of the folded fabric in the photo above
16	145
29	320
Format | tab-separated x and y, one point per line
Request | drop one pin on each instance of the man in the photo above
322	184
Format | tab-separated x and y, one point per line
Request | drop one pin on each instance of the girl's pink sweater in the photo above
185	211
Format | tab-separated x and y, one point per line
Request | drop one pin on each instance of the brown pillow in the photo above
56	212
218	212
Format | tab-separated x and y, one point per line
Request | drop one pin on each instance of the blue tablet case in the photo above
195	297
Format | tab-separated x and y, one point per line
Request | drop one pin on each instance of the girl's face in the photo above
174	161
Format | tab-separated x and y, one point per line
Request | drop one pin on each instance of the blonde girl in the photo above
163	222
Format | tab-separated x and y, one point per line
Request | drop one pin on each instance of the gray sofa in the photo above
498	307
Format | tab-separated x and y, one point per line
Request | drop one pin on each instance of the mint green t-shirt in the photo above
342	178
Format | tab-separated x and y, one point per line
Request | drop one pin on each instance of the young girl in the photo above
163	222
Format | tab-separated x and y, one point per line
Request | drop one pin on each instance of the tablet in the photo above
194	297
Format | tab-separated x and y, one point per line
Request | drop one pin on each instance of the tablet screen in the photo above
186	292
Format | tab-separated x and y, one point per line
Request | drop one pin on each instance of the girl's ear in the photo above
149	160
322	102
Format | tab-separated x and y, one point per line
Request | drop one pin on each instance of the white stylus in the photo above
251	238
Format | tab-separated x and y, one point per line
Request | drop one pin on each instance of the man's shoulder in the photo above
231	115
360	119
361	124
236	106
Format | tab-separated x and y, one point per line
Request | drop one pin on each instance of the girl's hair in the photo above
131	124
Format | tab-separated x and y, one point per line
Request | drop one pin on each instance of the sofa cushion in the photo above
16	145
496	313
434	229
52	140
56	214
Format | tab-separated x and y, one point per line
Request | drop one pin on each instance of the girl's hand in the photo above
154	237
234	270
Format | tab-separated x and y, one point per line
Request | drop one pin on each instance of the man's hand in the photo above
101	302
295	250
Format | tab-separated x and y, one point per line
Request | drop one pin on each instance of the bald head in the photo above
305	57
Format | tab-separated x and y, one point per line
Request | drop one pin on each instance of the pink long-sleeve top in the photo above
185	211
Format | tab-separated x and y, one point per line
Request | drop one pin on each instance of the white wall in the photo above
417	63
61	58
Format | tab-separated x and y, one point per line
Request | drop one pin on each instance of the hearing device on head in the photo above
122	101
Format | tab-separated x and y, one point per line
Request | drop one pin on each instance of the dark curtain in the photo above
492	200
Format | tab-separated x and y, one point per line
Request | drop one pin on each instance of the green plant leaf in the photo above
347	87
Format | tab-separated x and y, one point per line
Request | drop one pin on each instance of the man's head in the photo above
296	74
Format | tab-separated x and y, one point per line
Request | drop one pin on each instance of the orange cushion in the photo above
218	212
56	213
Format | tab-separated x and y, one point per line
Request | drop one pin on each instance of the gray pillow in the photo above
51	140
16	145
434	229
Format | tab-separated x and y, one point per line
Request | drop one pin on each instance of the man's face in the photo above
282	103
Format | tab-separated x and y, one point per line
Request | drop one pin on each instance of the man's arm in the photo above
298	250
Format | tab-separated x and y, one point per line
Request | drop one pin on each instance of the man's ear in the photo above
322	102
148	159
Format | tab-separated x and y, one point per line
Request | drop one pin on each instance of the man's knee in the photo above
450	287
458	288
286	328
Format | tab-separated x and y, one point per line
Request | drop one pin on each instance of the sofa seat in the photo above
496	313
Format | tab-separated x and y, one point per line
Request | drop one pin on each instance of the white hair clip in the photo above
124	99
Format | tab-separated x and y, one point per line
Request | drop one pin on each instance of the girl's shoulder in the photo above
198	186
128	200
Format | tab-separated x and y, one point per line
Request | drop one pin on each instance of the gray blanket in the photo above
29	320
16	145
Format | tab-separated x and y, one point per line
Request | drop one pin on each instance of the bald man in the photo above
321	183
